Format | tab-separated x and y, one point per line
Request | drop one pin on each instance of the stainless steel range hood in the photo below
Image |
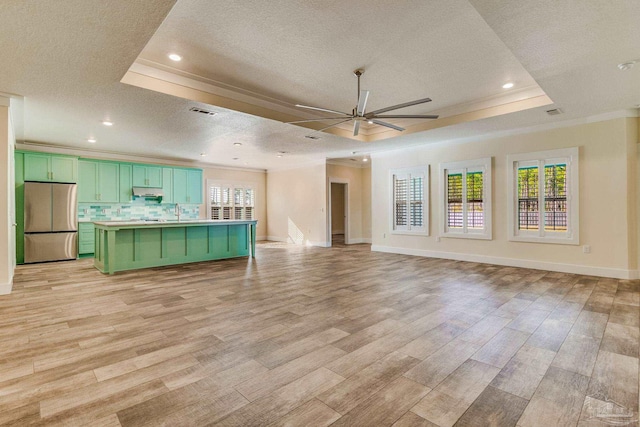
148	193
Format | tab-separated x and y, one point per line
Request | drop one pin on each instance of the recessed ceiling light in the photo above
279	155
91	140
175	57
203	154
237	144
107	123
507	85
370	122
365	160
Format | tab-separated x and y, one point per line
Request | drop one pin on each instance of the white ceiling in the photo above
67	62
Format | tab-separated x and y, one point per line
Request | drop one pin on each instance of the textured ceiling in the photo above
67	60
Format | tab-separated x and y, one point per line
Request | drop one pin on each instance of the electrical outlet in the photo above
586	249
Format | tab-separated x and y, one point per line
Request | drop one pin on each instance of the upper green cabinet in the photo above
187	186
50	168
167	185
147	176
126	186
98	182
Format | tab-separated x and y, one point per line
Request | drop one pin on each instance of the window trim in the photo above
572	235
418	170
484	165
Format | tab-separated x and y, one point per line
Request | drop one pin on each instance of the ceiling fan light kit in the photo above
359	114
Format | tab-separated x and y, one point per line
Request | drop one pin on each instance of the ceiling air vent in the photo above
312	137
201	111
554	112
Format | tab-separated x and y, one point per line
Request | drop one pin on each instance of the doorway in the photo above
339	222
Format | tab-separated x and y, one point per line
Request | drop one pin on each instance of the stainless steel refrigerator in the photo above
50	222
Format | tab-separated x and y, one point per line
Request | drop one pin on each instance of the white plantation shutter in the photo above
400	199
228	201
409	203
465	200
215	200
238	203
248	203
416	200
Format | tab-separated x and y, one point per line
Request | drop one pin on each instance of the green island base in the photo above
122	245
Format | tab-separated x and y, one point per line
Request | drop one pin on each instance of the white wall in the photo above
296	205
608	207
7	203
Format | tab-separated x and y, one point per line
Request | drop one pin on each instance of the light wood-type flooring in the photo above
305	336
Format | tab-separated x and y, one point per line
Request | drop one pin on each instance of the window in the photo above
465	200
410	200
544	196
229	201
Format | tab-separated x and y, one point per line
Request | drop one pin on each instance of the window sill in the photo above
410	233
554	241
473	236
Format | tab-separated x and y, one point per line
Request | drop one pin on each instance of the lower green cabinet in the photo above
86	238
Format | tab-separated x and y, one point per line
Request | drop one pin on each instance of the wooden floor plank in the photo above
314	336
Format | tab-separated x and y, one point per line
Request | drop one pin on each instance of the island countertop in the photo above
171	223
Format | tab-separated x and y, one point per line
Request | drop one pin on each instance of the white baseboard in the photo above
616	273
307	243
359	240
258	238
5	288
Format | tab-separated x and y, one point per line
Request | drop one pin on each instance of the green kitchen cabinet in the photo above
86	238
187	186
147	176
19	194
50	168
167	185
125	194
98	182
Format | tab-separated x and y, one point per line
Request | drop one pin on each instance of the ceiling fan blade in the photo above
322	109
335	124
389	125
319	120
356	127
362	102
406	116
396	107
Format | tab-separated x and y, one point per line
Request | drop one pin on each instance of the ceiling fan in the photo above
359	115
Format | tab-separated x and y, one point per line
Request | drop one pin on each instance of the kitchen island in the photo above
130	245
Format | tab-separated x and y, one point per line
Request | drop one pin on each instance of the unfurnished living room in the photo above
319	213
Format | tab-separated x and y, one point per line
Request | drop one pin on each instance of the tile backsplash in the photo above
139	209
